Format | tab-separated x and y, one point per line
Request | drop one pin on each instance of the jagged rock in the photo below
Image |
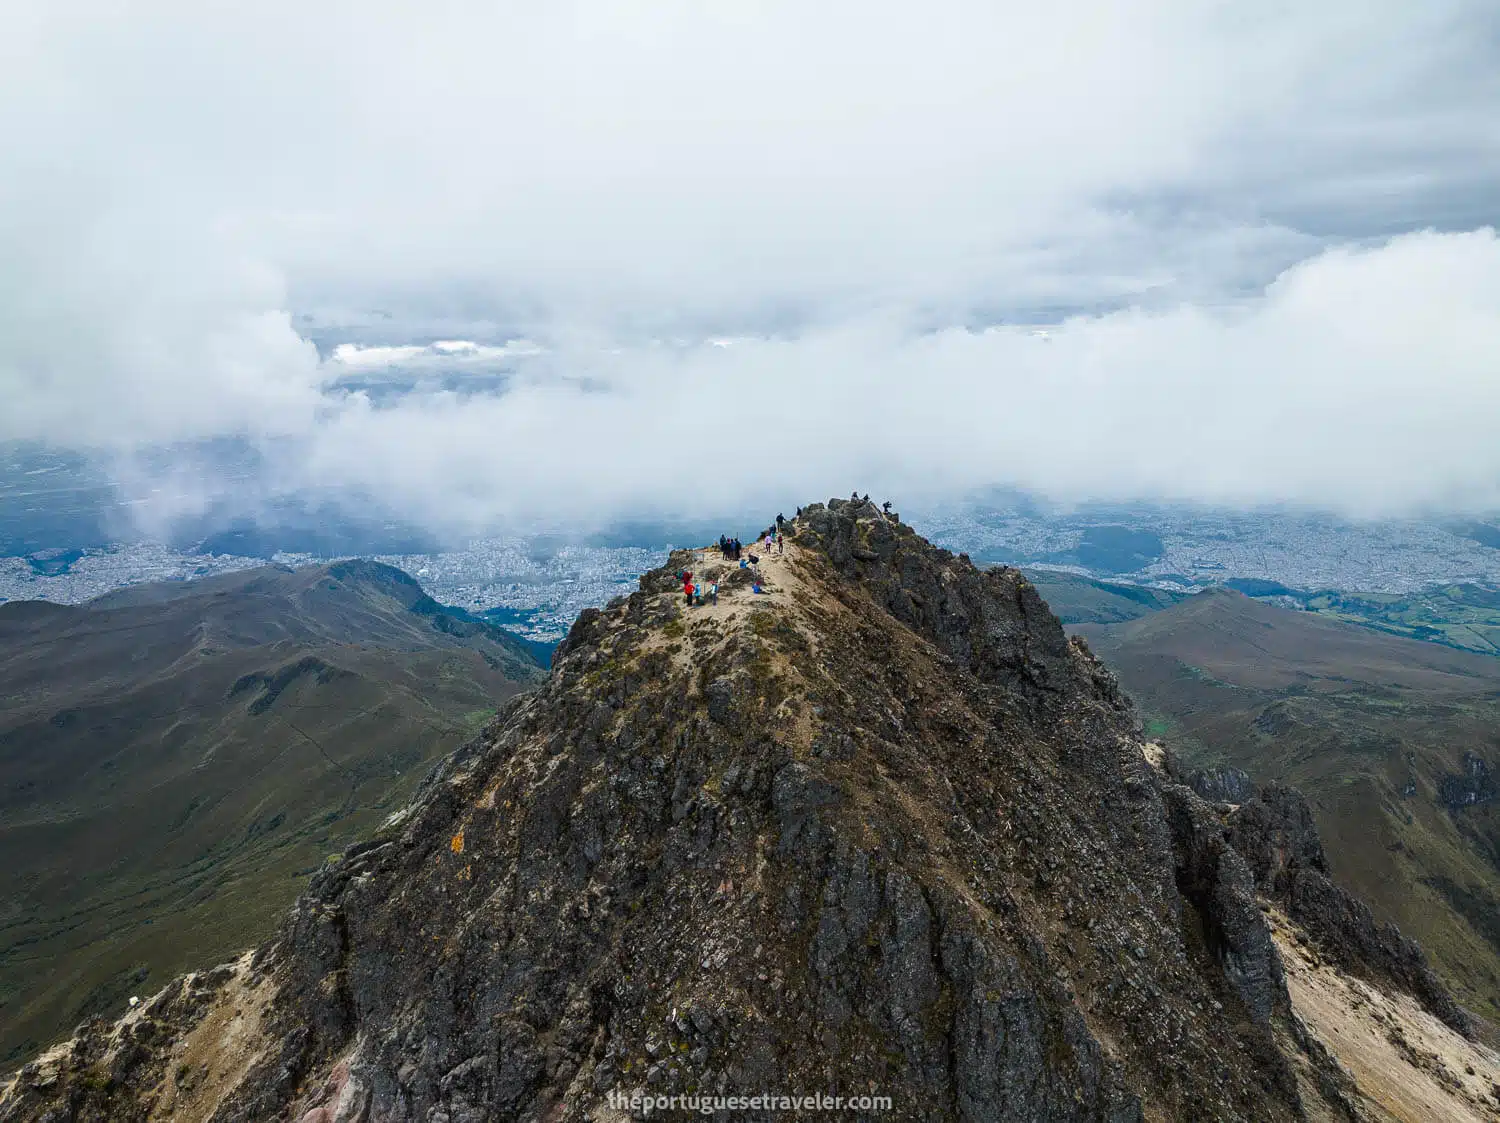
1348	933
886	830
1215	878
1221	785
1475	784
1279	838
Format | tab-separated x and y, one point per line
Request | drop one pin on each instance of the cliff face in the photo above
883	829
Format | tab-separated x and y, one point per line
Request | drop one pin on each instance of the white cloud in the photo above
1197	198
1362	379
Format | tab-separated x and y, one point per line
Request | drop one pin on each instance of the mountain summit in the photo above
880	830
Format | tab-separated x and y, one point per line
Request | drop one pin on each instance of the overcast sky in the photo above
1258	238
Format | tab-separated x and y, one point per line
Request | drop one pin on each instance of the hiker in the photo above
713	592
755	588
781	544
754	560
687	591
779	520
886	506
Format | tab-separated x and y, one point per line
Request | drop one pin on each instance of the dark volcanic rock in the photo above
1221	785
1217	881
1475	784
886	830
1277	834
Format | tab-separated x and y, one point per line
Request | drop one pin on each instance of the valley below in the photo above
177	759
1395	742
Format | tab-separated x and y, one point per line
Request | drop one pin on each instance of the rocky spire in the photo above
882	830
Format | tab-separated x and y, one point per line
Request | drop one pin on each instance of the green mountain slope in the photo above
1464	616
1395	741
176	758
1079	600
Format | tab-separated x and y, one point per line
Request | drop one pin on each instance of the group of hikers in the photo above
697	594
732	549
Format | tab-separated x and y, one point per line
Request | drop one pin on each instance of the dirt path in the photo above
778	576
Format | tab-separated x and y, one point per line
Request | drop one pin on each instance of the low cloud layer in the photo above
709	255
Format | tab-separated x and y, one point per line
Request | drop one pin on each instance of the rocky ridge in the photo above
884	830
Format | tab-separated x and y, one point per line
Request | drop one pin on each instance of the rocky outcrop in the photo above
884	831
1221	785
1278	856
1476	784
992	622
1218	883
1276	833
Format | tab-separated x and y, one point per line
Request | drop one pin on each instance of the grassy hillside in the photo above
1395	741
176	758
1078	600
1464	616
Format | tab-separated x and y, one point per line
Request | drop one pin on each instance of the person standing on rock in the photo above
713	592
